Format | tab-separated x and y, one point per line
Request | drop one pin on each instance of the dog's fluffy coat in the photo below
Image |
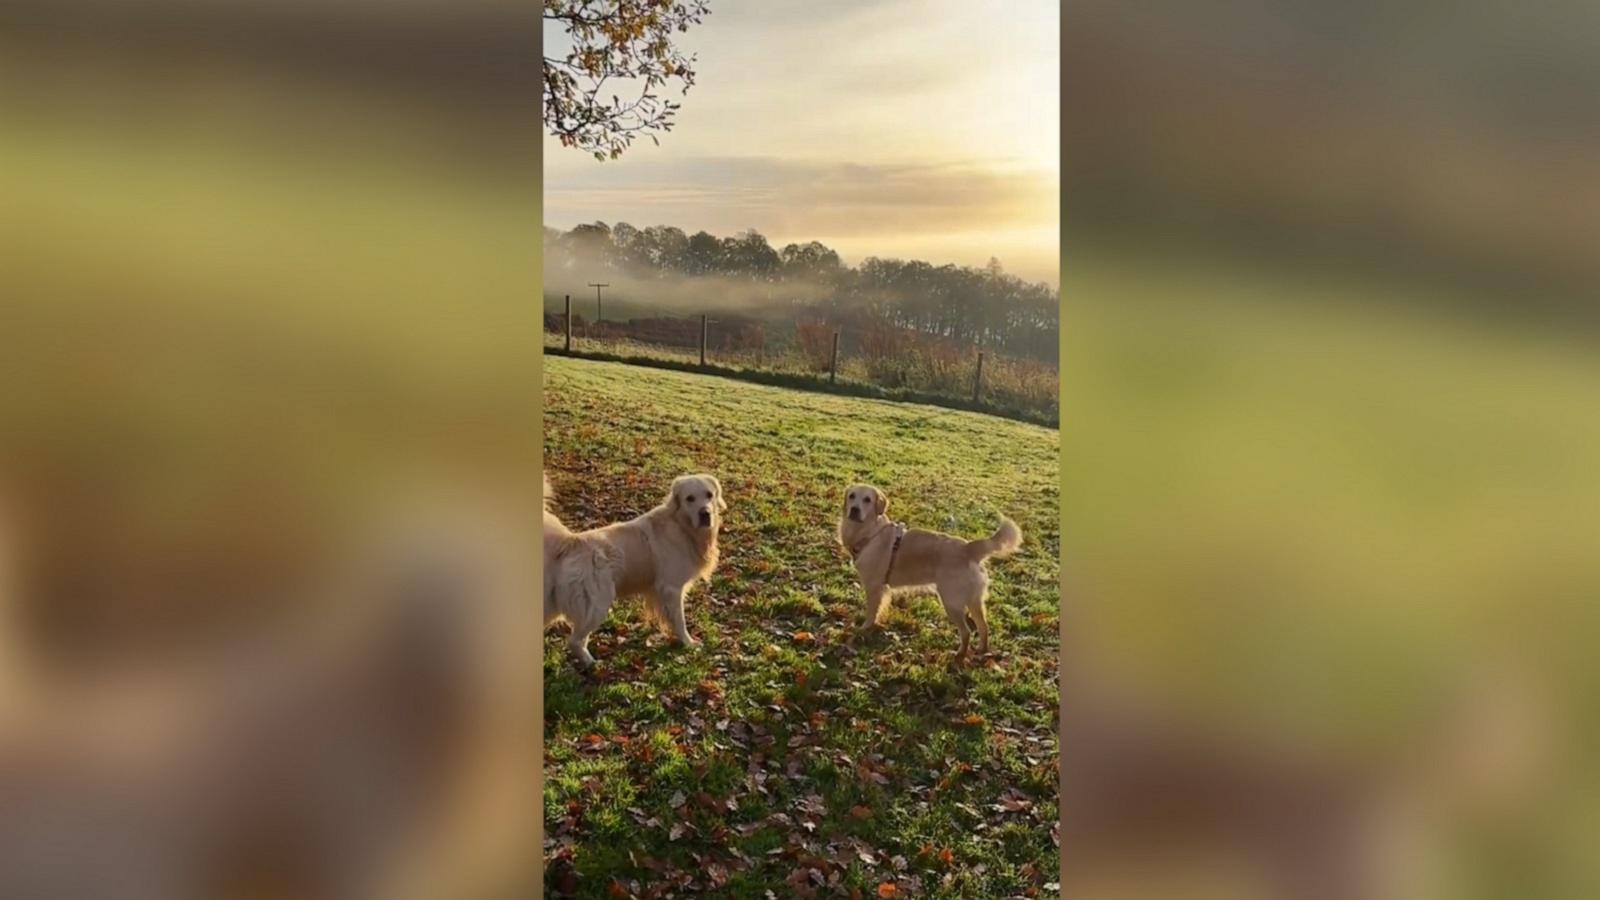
953	567
658	555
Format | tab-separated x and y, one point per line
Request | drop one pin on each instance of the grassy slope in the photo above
1001	396
771	751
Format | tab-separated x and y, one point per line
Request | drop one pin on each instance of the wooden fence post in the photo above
702	340
569	323
977	379
833	360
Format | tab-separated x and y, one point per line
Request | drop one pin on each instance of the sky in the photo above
917	129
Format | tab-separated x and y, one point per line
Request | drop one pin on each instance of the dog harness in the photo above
899	533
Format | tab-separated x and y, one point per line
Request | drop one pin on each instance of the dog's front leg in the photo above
670	598
875	599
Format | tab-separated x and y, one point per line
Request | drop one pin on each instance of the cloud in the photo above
724	194
917	128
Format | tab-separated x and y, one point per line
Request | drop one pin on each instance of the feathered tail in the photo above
1006	539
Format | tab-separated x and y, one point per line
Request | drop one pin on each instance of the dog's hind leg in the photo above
670	598
586	619
962	592
980	616
958	618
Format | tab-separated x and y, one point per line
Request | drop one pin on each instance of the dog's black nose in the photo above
705	517
855	514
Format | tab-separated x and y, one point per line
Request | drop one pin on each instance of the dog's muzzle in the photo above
705	518
855	514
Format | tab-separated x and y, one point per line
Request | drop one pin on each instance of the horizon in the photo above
848	261
886	149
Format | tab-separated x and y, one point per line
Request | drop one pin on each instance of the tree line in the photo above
985	306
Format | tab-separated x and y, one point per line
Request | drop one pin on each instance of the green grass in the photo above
772	751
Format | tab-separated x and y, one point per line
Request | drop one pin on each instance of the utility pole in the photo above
597	307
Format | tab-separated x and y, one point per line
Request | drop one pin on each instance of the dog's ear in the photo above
716	493
880	502
671	499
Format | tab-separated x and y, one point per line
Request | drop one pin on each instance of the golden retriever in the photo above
888	556
659	555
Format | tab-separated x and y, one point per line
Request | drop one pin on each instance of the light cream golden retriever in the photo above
658	556
888	556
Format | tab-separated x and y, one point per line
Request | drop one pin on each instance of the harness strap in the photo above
899	532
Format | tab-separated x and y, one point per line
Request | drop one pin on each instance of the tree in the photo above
665	247
627	250
748	253
809	261
616	42
701	254
590	245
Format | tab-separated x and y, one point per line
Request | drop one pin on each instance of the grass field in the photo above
773	758
1012	387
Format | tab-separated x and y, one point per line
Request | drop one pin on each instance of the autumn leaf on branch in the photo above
606	89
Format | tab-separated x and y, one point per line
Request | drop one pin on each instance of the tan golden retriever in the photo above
658	556
888	556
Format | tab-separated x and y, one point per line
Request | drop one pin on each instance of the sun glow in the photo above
911	128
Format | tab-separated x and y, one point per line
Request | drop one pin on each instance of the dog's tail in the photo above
1005	540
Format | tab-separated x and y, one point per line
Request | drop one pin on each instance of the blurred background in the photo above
1329	394
1329	384
266	274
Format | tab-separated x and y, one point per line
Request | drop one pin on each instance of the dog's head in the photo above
863	503
696	500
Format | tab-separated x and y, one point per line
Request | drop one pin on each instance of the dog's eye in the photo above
850	496
688	498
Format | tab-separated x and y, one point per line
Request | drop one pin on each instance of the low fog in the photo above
660	270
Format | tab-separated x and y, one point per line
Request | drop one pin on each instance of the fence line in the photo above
891	358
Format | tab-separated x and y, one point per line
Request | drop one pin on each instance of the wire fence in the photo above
821	354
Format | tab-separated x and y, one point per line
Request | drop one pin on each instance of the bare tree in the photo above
624	46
